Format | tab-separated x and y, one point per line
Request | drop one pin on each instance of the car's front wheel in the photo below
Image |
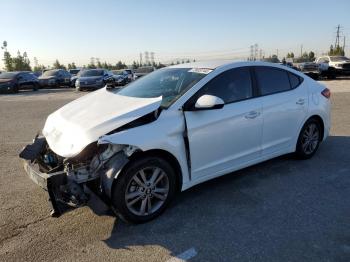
144	189
35	87
309	139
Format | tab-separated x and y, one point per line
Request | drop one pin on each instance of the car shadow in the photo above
261	211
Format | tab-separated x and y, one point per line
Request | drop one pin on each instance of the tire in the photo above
134	189
331	77
35	87
309	139
14	89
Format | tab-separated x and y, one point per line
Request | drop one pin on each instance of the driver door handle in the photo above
252	115
300	101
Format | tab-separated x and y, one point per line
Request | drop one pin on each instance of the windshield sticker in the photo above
200	70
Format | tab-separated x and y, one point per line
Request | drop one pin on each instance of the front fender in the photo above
166	133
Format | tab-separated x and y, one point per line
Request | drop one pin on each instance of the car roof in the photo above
222	63
204	64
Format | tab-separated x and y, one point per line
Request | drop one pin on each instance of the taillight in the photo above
326	93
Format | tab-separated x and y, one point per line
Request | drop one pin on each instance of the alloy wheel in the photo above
310	138
147	191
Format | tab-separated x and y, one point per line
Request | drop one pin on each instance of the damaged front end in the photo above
71	181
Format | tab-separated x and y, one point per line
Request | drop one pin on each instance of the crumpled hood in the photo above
74	126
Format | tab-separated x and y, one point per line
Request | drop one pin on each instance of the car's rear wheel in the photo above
309	139
144	189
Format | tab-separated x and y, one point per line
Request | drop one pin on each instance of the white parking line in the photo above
185	256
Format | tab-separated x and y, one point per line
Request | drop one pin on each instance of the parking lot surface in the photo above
280	210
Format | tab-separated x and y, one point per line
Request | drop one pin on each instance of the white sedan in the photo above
172	129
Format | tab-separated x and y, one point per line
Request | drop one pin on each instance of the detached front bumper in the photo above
50	183
63	193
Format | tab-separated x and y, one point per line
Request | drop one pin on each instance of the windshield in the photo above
8	75
170	83
50	73
338	58
91	73
118	72
74	71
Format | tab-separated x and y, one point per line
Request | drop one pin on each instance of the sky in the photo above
75	31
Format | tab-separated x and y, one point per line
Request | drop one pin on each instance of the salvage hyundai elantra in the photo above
172	129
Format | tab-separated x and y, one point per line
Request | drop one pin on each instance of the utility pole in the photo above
301	50
146	57
140	59
152	57
251	53
337	43
256	47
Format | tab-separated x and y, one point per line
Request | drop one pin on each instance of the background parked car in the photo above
75	74
92	79
121	77
131	74
310	69
55	78
332	66
38	73
141	71
15	81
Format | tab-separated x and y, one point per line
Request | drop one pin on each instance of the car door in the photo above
21	81
221	140
285	103
68	76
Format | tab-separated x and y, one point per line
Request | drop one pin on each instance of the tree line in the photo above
21	62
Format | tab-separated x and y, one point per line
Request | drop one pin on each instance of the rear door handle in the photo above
252	115
301	101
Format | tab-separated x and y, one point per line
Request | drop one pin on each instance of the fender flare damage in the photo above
113	168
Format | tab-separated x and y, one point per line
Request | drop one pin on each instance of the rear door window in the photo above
272	80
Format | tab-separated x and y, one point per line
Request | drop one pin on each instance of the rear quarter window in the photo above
295	80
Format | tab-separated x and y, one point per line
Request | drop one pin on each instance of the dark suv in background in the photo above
74	76
14	81
55	78
92	79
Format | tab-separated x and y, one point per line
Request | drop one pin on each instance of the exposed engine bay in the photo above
67	179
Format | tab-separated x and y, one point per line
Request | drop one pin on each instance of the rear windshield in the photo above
338	58
8	75
91	73
74	71
50	73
